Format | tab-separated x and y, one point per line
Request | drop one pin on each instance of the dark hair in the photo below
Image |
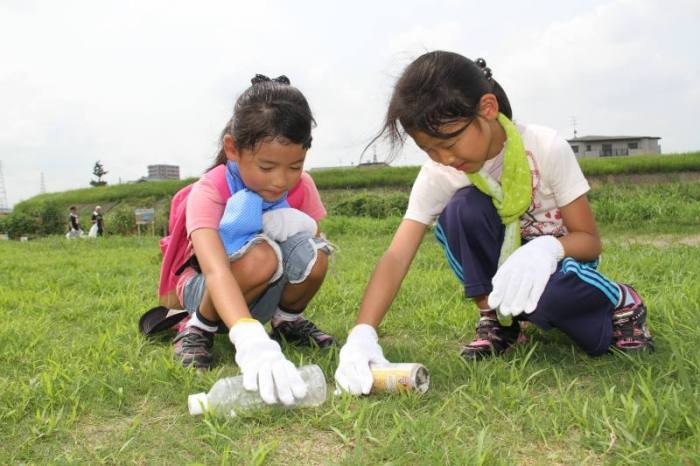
71	207
439	88
268	109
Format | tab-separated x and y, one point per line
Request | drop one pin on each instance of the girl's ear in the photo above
232	153
488	107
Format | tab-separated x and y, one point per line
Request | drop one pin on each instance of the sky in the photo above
134	83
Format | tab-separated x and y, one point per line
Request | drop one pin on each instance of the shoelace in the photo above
627	324
194	340
485	328
309	327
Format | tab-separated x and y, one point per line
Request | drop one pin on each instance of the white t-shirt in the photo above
557	180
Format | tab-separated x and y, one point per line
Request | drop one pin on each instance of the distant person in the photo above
250	257
509	206
97	222
74	229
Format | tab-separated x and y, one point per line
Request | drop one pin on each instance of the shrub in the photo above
371	205
19	224
121	220
52	220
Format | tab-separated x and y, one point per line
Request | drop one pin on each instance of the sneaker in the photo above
193	347
630	331
492	339
301	332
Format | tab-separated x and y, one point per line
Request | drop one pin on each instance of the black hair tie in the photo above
261	78
282	79
481	63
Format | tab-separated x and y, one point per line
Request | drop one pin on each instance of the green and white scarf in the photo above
513	195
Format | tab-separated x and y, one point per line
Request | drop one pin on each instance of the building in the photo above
163	172
606	146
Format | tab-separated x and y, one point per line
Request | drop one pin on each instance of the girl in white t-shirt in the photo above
510	209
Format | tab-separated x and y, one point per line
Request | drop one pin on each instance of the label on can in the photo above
404	377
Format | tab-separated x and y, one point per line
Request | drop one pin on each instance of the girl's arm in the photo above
390	272
582	242
221	284
362	346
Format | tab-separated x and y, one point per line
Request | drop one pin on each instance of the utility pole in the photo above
4	206
573	124
42	188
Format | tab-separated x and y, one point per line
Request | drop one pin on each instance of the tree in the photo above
99	171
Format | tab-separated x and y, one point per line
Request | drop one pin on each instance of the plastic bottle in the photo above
228	396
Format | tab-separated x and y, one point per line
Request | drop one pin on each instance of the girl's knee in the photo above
258	264
319	269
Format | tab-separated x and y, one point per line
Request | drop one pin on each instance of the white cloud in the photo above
444	35
135	83
619	68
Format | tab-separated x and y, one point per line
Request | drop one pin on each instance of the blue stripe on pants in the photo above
594	278
578	299
454	264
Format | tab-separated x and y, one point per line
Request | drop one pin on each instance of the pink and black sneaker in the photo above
492	339
630	331
193	347
301	332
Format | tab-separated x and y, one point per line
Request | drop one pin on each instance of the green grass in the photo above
112	193
402	177
149	193
78	384
642	164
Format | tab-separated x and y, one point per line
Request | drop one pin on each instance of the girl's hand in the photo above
263	365
280	224
520	281
360	350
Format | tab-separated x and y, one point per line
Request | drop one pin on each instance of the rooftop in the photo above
609	138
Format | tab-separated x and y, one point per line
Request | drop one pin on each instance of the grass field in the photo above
78	384
148	194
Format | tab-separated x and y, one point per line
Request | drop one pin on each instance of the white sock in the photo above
195	321
280	316
482	311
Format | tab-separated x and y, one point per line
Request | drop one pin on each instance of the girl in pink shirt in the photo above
257	256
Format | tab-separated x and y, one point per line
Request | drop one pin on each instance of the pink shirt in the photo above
205	207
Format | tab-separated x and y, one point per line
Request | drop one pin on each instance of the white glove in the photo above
520	281
263	365
280	224
360	350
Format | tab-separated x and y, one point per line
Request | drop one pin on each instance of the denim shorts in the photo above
297	256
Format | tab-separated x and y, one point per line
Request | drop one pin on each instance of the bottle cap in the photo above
197	403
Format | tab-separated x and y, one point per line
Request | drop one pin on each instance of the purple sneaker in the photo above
193	347
630	331
492	339
301	332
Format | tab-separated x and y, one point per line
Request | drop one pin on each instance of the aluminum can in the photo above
403	377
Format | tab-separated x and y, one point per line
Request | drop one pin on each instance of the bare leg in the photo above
252	273
300	331
297	296
482	301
